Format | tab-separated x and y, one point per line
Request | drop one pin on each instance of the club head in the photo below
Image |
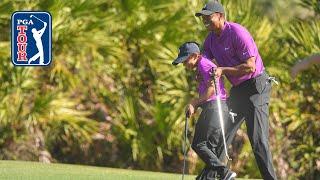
31	16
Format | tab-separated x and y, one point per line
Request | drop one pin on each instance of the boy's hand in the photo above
189	110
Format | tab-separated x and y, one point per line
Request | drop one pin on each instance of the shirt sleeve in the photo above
206	73
244	45
206	49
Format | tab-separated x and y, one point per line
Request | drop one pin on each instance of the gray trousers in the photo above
207	141
250	100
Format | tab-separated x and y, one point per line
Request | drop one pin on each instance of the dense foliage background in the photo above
112	98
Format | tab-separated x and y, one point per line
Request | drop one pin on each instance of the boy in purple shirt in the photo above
237	55
207	142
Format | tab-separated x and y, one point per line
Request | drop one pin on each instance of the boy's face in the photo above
191	61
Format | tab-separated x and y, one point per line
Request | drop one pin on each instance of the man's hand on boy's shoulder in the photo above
218	72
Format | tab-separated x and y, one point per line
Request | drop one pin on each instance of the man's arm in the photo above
305	64
245	51
242	69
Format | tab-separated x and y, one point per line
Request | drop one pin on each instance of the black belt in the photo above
211	104
251	81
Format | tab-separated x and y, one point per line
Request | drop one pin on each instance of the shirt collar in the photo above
199	62
223	31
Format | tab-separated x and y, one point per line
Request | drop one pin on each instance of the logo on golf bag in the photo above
31	38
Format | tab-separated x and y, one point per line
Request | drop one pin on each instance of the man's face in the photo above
191	61
211	22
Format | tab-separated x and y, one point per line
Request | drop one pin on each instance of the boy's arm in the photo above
204	97
196	102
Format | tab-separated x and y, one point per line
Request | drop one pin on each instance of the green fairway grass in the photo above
34	170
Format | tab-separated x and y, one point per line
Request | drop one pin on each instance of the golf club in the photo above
185	146
220	113
37	18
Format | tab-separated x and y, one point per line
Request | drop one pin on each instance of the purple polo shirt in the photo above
233	47
204	68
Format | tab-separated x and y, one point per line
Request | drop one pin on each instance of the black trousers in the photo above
250	100
207	141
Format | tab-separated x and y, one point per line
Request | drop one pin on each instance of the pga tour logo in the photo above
31	38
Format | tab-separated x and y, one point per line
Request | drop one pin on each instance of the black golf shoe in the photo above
228	174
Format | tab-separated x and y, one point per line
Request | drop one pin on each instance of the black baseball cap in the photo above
185	50
210	8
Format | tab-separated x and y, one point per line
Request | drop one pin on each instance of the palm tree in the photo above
302	35
112	91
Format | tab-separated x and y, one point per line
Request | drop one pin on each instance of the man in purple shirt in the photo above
238	58
207	141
